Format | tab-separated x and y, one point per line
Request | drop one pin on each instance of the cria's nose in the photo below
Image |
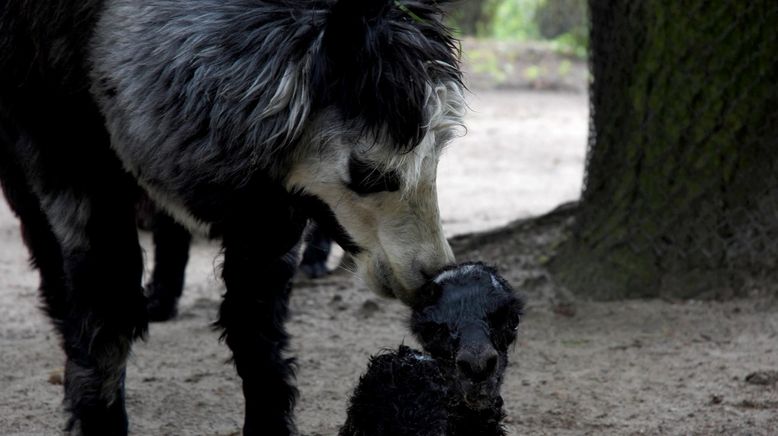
477	366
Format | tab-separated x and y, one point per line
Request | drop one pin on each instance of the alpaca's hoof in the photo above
314	270
161	312
160	309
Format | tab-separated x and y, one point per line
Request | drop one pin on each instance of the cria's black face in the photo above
468	324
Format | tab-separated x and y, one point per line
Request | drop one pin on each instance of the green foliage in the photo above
488	62
514	19
563	22
572	44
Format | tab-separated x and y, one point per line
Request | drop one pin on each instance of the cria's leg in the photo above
317	250
259	262
171	253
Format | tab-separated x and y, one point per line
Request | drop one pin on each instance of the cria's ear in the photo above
371	67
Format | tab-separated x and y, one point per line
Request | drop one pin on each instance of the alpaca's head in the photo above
387	98
468	325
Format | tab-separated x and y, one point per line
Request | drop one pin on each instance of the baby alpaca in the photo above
466	324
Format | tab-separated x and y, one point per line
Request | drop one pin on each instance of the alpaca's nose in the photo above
432	257
428	268
477	365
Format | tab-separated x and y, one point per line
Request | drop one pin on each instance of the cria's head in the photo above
468	323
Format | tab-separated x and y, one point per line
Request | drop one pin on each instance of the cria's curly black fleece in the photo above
404	393
467	324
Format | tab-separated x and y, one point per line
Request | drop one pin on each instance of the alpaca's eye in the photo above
366	179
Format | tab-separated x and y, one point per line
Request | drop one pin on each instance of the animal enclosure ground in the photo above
632	367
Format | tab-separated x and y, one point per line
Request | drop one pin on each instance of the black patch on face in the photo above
318	210
366	179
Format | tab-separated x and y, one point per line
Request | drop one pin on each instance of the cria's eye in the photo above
505	317
366	179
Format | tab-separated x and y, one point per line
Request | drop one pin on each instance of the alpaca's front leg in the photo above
259	262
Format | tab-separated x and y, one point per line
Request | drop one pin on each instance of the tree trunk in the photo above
681	194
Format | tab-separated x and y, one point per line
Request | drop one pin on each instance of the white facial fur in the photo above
400	232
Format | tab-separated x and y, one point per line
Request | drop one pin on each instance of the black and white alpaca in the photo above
455	390
247	116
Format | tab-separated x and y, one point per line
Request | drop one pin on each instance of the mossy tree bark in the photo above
681	194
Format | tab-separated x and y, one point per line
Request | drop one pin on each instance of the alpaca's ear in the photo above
370	68
349	34
347	13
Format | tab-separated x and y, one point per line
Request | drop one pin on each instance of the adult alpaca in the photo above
249	116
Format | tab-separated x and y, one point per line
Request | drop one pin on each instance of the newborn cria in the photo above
467	322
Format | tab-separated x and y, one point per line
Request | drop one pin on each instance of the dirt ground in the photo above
629	367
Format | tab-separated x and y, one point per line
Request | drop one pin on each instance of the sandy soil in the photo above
633	367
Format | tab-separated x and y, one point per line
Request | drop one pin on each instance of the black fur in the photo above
253	322
98	95
371	70
317	250
90	265
171	254
407	392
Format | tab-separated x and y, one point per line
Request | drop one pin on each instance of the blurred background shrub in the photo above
562	23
